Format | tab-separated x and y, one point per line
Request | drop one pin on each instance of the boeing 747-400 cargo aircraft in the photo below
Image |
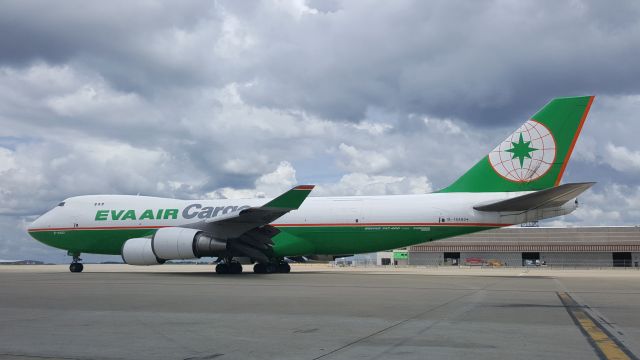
518	181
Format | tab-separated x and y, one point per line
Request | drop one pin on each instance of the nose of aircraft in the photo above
35	224
43	221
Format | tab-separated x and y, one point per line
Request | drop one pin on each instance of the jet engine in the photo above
171	243
138	251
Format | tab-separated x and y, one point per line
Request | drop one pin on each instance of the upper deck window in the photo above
61	204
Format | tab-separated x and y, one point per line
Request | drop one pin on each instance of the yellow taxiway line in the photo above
603	343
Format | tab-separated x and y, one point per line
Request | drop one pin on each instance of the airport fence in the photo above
631	266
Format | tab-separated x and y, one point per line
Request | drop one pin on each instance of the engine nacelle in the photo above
138	251
184	243
174	243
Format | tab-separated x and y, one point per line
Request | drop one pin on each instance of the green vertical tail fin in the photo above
533	157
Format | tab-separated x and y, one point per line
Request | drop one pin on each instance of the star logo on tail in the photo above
525	155
521	150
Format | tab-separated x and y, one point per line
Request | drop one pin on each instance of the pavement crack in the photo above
41	356
204	357
402	322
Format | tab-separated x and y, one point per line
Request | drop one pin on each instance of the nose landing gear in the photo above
76	266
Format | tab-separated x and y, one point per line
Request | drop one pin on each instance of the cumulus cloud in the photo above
354	159
45	173
464	60
443	125
271	184
283	178
363	184
610	204
90	100
623	159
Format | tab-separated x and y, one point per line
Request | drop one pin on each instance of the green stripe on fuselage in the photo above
291	241
101	241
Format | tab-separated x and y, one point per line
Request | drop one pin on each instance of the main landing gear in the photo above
270	268
76	266
229	266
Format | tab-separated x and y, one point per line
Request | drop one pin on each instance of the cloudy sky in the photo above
210	99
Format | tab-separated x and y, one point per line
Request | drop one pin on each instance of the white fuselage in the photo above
103	211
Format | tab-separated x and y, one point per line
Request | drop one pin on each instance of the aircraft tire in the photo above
235	268
260	268
76	267
284	268
272	268
222	269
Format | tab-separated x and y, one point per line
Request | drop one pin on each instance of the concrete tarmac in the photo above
188	312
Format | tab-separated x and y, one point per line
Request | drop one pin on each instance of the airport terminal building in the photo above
603	246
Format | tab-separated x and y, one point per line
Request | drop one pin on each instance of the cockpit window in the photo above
61	204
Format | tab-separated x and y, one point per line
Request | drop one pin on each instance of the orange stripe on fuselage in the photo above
281	225
96	228
389	224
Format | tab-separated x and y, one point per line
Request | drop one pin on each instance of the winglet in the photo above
292	199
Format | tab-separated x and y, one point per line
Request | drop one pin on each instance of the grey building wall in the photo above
425	258
604	259
432	259
584	246
506	258
577	259
636	259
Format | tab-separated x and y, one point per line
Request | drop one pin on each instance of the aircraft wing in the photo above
552	197
247	231
234	224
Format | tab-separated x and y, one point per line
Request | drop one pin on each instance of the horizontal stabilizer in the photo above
553	197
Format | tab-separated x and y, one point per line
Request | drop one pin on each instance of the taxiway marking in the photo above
604	344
